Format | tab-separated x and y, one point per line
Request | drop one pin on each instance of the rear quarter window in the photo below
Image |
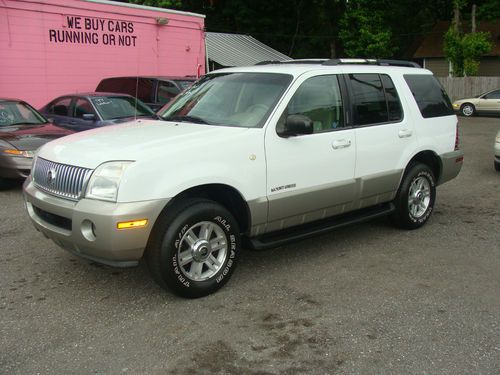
430	96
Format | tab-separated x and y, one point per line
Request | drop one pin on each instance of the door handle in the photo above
405	133
341	143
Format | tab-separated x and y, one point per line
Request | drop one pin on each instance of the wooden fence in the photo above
467	87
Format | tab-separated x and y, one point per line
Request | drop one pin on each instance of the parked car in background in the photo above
486	103
497	151
154	91
92	110
22	131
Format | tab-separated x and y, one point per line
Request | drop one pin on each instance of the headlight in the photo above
105	181
21	153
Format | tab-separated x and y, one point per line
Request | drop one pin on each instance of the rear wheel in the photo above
194	248
415	199
467	109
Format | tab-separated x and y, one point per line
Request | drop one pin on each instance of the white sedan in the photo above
487	103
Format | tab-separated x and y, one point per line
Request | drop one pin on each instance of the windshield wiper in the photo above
26	123
195	119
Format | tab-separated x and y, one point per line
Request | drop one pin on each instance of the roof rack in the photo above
298	61
381	62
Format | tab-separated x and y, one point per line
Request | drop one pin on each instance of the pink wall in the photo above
36	66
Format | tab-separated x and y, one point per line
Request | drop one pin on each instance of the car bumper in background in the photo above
15	166
88	228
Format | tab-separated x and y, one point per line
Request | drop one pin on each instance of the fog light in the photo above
89	230
132	224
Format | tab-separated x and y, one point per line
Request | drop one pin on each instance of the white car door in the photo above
384	136
310	176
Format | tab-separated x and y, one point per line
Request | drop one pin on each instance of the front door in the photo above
311	176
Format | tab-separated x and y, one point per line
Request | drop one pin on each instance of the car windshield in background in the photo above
184	84
114	107
230	99
16	113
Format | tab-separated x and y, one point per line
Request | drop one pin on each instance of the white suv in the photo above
267	154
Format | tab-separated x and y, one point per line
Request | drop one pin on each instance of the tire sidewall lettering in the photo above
224	272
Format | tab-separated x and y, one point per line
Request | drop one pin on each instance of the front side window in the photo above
115	107
319	99
430	96
493	95
60	107
166	91
229	99
83	107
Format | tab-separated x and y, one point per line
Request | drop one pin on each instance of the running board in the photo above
286	236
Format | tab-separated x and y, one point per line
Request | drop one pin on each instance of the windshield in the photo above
17	113
230	99
184	84
115	107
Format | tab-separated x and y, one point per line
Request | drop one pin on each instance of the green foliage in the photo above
364	33
454	51
474	46
172	4
465	51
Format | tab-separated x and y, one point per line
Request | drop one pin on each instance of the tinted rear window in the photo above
141	88
430	96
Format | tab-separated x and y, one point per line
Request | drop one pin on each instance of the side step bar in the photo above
285	236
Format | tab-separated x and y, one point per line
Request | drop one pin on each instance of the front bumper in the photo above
15	166
88	228
451	164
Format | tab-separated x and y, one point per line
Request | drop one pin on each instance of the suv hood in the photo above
138	140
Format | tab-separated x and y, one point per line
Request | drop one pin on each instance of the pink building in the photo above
55	47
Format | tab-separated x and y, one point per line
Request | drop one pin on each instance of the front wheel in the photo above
415	199
194	247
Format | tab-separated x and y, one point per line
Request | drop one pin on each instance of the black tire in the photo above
497	166
173	235
5	183
415	213
468	110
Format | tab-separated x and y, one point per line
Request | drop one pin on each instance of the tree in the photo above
363	32
464	50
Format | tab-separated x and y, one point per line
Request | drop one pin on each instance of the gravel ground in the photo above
368	299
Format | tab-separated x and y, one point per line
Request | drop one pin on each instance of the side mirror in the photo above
297	125
88	117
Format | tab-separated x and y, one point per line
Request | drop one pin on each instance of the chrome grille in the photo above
63	180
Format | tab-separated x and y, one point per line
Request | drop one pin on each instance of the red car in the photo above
22	131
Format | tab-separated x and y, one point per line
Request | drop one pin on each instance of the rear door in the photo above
384	136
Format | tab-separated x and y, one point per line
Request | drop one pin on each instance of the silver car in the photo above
486	103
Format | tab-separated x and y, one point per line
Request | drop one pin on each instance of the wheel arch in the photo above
429	158
227	196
